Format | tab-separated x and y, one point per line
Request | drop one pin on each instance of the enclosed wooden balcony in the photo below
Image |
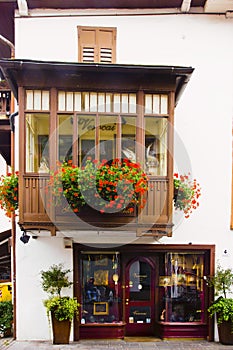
37	210
115	111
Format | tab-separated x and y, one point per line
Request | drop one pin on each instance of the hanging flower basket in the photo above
186	194
108	187
9	193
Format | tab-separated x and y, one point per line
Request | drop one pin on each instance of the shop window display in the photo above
100	288
181	288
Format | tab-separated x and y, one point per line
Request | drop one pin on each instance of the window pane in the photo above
100	290
61	101
37	99
156	146
86	137
45	100
132	103
69	101
128	144
37	147
108	132
140	280
77	101
65	137
181	288
29	99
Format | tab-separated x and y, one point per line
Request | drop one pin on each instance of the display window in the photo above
181	288
100	288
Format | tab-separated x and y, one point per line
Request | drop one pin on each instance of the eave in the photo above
46	74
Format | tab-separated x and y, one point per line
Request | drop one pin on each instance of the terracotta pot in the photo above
61	331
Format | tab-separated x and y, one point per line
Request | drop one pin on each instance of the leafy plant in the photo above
9	193
222	282
186	193
223	307
6	316
53	280
64	308
106	186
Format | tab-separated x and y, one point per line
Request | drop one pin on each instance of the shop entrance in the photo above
140	297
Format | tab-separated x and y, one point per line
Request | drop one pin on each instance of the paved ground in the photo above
8	343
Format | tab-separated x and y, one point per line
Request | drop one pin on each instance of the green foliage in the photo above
222	282
6	315
54	279
64	308
223	307
9	193
186	192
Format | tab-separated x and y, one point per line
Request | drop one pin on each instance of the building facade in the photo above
149	85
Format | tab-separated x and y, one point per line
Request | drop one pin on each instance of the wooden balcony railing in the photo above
37	208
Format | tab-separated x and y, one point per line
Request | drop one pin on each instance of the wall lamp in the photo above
24	238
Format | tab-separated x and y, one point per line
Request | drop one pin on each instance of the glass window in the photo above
86	125
128	143
37	100
156	145
100	289
139	281
181	288
107	135
37	146
65	137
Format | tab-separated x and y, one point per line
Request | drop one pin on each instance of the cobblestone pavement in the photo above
8	343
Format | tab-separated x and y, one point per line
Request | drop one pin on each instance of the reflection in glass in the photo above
37	148
65	137
156	146
128	143
181	288
100	288
139	281
107	137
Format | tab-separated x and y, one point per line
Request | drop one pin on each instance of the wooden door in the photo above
140	297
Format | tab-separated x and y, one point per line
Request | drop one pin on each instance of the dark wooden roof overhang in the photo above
127	4
83	76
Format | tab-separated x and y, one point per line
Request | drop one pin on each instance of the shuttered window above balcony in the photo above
96	44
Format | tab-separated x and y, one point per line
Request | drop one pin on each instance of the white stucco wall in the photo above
33	257
203	123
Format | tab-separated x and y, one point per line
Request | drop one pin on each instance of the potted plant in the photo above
107	187
9	193
222	307
61	308
6	318
186	193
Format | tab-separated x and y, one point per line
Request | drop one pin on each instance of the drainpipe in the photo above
8	43
13	223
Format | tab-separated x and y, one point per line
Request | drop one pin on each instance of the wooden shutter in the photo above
97	45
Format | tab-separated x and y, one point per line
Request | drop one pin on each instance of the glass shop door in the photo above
140	298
